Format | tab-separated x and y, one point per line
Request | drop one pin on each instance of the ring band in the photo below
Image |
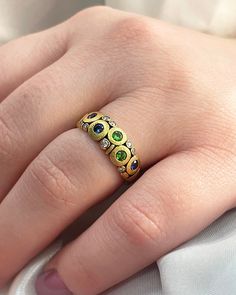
113	141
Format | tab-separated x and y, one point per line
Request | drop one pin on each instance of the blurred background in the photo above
23	17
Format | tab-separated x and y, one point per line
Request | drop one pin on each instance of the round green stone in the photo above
121	155
117	135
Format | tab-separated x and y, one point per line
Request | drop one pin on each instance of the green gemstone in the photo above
121	155
117	135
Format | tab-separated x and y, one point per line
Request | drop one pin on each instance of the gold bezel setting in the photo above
113	155
100	135
110	149
86	118
131	164
113	141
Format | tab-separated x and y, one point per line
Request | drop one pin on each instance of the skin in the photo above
171	89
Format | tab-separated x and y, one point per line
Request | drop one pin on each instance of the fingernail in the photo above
50	283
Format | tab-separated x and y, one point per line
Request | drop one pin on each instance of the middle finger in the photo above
42	108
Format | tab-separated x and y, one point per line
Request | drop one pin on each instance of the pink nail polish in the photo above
49	283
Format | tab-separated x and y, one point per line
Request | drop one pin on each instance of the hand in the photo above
170	89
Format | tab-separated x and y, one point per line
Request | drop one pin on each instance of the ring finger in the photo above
65	180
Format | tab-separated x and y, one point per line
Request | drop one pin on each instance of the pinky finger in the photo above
164	208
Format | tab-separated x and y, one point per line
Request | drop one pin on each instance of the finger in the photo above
69	176
20	59
55	189
169	204
47	104
52	100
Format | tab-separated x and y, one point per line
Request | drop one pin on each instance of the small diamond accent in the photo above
133	151
128	144
105	143
112	123
121	169
106	118
85	126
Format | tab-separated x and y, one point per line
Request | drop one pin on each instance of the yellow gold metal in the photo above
98	136
85	119
110	149
128	167
113	141
125	175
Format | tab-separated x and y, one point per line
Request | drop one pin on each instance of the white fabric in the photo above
205	265
212	16
24	281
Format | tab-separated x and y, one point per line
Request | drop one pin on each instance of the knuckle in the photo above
140	226
29	91
17	117
132	30
169	195
55	184
32	93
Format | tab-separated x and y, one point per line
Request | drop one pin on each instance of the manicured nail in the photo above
49	283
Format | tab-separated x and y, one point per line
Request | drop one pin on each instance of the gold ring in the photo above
113	141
